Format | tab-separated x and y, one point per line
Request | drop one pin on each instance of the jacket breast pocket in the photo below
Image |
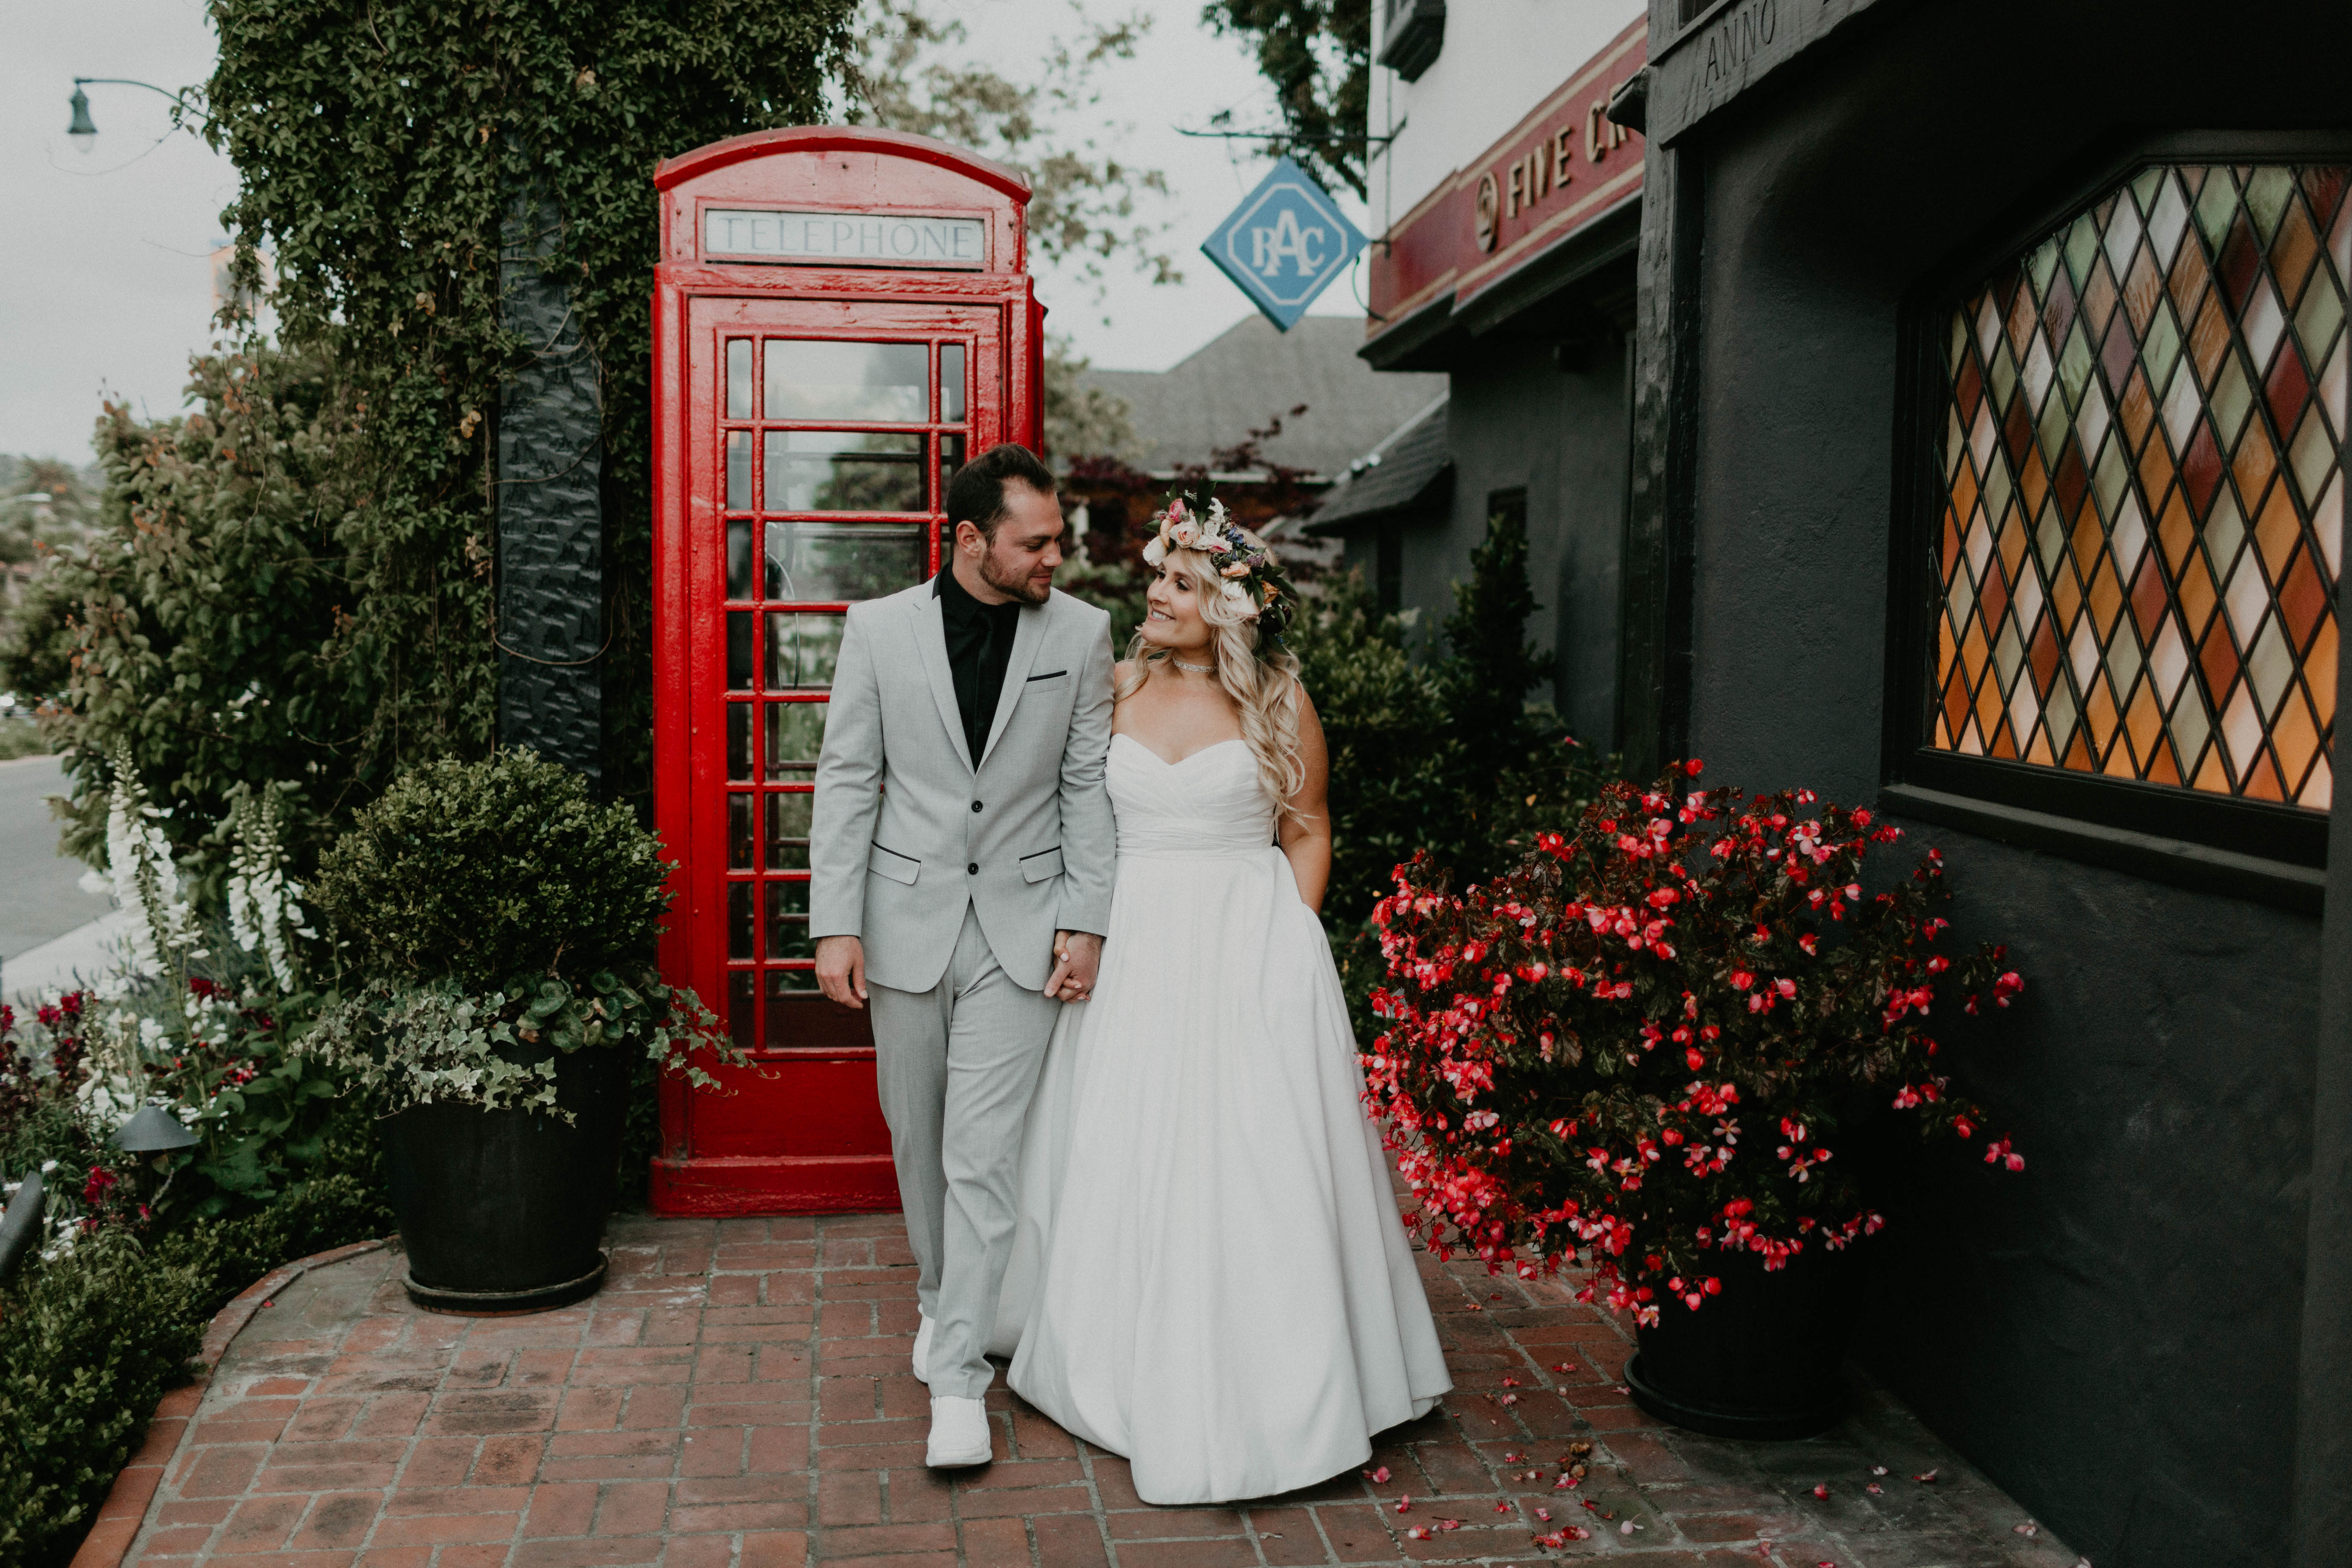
886	862
1042	865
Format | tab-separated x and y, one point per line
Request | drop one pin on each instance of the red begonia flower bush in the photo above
1640	1050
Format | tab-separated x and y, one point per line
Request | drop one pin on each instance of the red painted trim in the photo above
1433	253
124	1513
673	172
757	1185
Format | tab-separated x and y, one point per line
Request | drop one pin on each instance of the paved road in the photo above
39	895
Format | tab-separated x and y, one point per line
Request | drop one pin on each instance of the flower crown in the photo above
1253	579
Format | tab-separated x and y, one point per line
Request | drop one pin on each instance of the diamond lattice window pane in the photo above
2141	453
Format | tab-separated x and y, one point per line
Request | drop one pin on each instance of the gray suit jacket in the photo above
909	830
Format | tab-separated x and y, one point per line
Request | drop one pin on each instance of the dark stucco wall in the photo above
2111	1334
1517	419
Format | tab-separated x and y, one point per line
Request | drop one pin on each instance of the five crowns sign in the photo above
1284	244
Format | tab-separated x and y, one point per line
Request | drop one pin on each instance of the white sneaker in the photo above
958	1433
923	1351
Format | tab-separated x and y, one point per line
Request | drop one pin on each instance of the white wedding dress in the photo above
1209	1275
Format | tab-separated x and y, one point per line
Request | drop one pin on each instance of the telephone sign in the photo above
841	316
1284	244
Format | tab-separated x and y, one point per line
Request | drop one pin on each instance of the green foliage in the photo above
1319	56
1490	664
1444	759
415	1045
87	1344
136	1261
208	624
480	873
380	149
22	738
1393	756
45	505
90	1340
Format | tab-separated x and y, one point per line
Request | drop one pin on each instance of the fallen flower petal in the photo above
2029	1529
1502	1508
1544	1514
1378	1476
1416	1533
1878	1469
1927	1476
1449	1524
1822	1492
1875	1489
1404	1504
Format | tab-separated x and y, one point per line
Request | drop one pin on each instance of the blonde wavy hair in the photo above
1265	689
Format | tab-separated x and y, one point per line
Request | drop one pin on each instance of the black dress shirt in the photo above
980	644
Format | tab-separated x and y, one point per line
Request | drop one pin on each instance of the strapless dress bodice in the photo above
1208	804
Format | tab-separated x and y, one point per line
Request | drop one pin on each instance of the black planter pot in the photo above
1762	1360
503	1211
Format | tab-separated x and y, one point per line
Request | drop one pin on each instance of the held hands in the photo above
1077	955
841	969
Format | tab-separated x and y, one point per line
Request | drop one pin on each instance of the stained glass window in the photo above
2139	439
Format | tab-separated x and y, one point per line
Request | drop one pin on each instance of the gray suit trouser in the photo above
957	1066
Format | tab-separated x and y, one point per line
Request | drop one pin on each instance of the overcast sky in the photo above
108	291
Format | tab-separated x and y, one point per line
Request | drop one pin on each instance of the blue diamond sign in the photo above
1284	244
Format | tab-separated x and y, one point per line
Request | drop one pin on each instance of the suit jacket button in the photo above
975	806
972	870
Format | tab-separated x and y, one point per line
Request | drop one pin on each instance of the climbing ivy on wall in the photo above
380	144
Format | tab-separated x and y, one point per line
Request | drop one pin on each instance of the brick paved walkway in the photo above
739	1397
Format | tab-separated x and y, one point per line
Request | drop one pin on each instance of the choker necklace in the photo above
1195	669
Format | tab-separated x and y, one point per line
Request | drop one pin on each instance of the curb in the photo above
125	1509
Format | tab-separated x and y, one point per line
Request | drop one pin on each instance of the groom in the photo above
961	857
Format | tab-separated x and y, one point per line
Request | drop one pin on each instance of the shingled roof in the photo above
1403	472
1250	372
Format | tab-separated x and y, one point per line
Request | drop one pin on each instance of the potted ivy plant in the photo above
1642	1051
502	926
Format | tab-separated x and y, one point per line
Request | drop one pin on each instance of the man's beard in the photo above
1019	586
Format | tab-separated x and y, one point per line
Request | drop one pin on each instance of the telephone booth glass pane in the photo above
742	634
738	470
802	650
738	378
788	831
795	732
788	920
739	832
739	559
830	563
951	382
825	470
951	462
882	382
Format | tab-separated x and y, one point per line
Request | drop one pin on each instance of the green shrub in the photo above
87	1344
1393	756
482	874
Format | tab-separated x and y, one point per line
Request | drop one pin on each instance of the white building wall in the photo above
1500	59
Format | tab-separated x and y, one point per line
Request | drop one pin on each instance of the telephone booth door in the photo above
819	418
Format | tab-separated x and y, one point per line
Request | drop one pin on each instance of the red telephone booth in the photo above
840	316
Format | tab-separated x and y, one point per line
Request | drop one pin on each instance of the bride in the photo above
1209	1276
